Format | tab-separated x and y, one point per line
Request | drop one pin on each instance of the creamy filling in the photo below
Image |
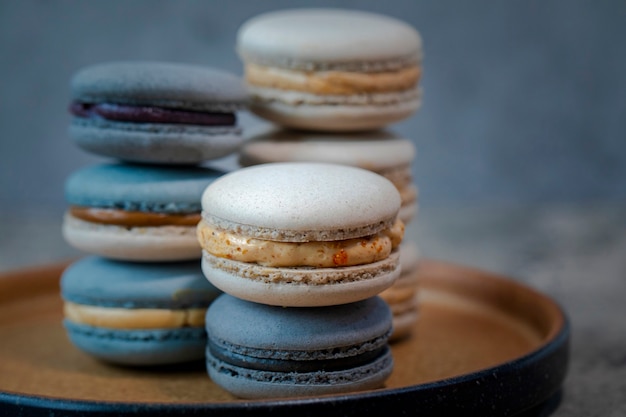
136	318
150	114
349	252
133	218
333	82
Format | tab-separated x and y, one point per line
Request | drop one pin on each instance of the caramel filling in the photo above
133	218
333	82
347	252
137	318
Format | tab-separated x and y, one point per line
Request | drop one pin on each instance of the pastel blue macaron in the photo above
157	112
137	313
136	212
260	351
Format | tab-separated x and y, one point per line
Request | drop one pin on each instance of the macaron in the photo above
301	234
137	313
402	296
136	212
260	351
156	112
380	151
331	69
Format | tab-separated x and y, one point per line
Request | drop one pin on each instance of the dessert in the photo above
301	234
261	351
136	212
331	69
156	112
137	313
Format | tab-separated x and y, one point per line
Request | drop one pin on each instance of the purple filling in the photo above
147	114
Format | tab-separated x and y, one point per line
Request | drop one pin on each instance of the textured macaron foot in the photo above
260	351
301	234
137	313
157	112
138	347
331	69
144	213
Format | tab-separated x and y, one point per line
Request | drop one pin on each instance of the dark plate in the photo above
483	345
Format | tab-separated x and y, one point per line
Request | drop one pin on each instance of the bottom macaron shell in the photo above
139	347
145	244
253	282
257	384
333	117
155	143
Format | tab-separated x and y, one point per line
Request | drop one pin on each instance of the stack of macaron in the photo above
301	251
140	298
330	81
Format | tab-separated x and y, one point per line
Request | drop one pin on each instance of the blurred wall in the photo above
524	100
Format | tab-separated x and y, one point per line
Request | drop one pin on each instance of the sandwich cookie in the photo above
156	112
301	234
331	69
379	151
260	351
402	296
137	313
136	212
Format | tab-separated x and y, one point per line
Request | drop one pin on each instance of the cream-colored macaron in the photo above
301	234
380	151
331	69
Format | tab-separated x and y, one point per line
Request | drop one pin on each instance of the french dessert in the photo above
301	234
380	151
144	213
135	313
331	69
260	351
157	112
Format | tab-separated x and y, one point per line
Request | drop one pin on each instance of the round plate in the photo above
483	345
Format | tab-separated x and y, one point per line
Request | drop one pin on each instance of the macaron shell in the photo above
154	143
253	384
274	328
311	38
143	244
302	201
139	347
165	84
103	282
242	280
270	105
140	187
373	150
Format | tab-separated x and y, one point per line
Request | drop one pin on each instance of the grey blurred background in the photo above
524	100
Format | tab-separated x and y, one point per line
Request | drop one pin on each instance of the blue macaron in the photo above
158	112
260	351
137	313
136	212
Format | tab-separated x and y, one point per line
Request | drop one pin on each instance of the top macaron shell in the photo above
300	202
140	187
373	150
328	38
101	282
163	85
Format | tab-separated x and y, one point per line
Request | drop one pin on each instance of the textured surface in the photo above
316	38
166	84
375	150
302	201
102	282
139	187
